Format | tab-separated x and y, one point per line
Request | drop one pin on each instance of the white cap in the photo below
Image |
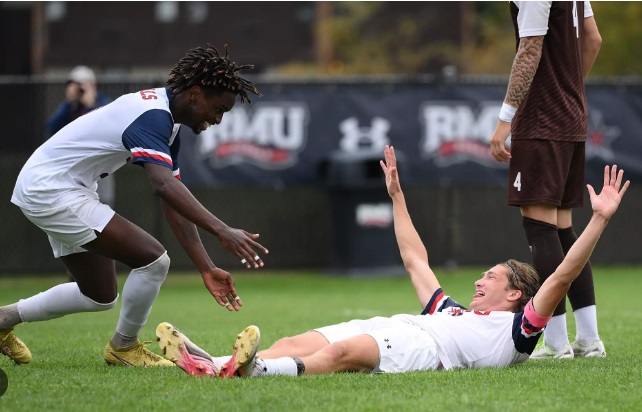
82	74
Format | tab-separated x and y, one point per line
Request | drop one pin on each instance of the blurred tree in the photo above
423	37
384	37
494	41
619	25
618	22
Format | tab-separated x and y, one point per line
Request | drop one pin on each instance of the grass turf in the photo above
69	374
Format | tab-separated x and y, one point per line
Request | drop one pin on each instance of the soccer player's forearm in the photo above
523	71
182	201
555	286
411	247
581	250
187	235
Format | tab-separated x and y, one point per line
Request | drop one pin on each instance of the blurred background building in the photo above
341	79
287	37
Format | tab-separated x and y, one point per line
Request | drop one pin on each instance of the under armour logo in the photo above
369	139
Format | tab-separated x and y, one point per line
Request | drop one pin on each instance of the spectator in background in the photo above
81	97
546	114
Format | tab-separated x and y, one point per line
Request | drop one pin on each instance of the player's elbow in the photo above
562	278
562	282
592	37
412	262
594	42
162	188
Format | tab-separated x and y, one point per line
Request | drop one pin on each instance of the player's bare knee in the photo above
338	352
283	343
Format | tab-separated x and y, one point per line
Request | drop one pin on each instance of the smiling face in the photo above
205	108
492	291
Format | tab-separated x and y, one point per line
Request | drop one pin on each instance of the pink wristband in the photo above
532	316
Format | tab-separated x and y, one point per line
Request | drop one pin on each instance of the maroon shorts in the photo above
546	172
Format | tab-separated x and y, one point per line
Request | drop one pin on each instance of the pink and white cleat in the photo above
245	348
183	352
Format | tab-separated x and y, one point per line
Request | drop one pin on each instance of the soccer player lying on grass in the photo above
506	318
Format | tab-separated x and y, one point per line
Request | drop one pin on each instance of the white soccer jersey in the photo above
532	19
136	127
473	339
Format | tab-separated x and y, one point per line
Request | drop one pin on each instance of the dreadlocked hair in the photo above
205	67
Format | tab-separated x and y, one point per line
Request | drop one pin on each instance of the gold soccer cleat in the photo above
245	348
183	352
13	347
134	355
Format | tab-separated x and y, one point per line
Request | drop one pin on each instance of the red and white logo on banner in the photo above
270	137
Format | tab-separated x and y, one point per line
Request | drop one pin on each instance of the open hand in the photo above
606	203
389	167
241	244
221	286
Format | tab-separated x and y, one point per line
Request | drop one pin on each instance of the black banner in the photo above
442	132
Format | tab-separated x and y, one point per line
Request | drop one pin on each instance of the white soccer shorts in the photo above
72	221
403	346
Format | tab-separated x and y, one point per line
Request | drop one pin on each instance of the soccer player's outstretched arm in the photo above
238	242
413	252
219	282
604	206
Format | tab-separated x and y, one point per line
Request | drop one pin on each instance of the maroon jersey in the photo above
555	106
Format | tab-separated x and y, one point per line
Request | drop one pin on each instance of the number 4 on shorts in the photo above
518	182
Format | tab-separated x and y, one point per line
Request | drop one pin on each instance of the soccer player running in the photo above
545	113
56	190
502	328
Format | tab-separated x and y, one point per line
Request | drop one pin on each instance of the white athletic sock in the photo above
555	334
139	292
281	366
220	360
586	325
9	316
59	301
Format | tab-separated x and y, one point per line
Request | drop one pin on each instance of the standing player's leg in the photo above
547	254
125	242
536	185
581	293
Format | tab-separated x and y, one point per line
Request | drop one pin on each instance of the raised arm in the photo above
217	281
604	206
412	249
175	194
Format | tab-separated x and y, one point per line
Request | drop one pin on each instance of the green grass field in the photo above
69	374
